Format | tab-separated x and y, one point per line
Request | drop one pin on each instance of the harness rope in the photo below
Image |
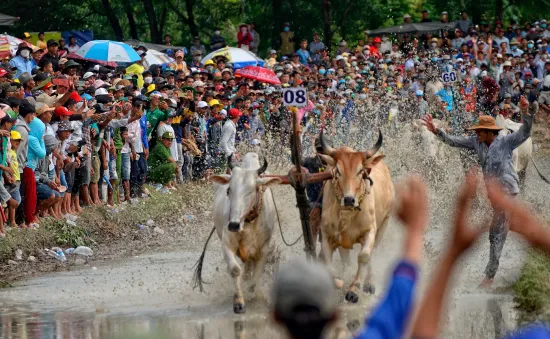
280	227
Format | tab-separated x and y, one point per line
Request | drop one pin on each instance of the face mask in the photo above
198	58
435	59
434	44
148	80
529	45
454	56
209	68
279	74
287	29
391	68
322	71
354	63
25	53
514	48
371	64
217	32
543	25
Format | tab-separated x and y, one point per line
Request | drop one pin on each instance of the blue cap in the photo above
86	97
419	93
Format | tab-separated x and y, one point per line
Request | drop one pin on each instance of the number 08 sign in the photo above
295	96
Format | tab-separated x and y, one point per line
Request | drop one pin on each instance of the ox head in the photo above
243	187
351	169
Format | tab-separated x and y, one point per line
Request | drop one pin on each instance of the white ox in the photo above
522	154
356	208
244	218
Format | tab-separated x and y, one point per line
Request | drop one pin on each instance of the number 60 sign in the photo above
294	96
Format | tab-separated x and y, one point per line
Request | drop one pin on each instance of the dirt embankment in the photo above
111	233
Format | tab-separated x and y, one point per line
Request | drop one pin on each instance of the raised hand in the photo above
427	121
413	204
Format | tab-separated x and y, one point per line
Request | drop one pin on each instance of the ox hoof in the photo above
352	297
368	288
252	288
239	308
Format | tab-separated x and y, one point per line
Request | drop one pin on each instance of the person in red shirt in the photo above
490	90
375	48
243	37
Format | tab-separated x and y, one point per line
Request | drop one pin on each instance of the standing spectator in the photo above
287	41
444	17
22	60
52	55
464	23
303	53
407	19
500	38
217	41
168	40
179	64
425	16
197	46
316	46
72	46
244	38
41	43
255	44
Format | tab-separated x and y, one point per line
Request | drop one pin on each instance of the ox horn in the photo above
328	150
262	169
376	146
230	162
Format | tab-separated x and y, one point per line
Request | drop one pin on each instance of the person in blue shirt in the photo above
23	60
303	53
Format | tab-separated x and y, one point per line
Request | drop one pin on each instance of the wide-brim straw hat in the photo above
485	122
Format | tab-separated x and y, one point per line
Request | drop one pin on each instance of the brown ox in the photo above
356	208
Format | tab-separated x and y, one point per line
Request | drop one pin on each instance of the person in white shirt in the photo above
229	131
72	46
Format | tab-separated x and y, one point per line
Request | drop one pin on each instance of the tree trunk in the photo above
152	19
113	20
131	21
191	18
499	7
277	23
162	21
327	19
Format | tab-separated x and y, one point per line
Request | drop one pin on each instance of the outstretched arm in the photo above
527	113
450	140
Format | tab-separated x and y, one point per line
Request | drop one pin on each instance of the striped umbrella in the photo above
106	50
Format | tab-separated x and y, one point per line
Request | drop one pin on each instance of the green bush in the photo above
532	290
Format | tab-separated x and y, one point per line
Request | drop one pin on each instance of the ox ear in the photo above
327	159
372	161
268	181
221	179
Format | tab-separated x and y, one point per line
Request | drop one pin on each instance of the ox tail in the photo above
538	171
197	276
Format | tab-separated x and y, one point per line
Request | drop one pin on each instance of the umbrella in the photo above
238	57
100	62
154	57
258	73
413	28
7	20
106	50
13	43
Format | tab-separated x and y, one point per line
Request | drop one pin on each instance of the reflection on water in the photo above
475	316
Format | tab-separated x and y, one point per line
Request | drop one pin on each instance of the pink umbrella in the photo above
104	63
258	73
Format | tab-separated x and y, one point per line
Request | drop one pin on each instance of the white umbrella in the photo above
154	57
106	50
238	57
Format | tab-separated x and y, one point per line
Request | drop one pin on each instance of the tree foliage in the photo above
150	20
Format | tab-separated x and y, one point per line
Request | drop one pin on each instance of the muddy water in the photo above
151	295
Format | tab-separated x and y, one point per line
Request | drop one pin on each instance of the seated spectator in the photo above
162	167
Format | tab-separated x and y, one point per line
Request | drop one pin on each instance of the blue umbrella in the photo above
106	50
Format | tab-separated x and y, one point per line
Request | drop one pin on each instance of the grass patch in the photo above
532	290
100	227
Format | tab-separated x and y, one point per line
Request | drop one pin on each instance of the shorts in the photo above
14	191
126	166
86	171
96	164
544	97
44	192
4	194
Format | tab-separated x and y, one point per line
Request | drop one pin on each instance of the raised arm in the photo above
524	132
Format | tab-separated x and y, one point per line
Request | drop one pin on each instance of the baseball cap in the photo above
64	126
484	73
168	135
300	283
51	42
15	135
87	75
234	112
202	104
62	111
101	91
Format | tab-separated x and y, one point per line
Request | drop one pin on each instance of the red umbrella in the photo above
78	57
258	73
